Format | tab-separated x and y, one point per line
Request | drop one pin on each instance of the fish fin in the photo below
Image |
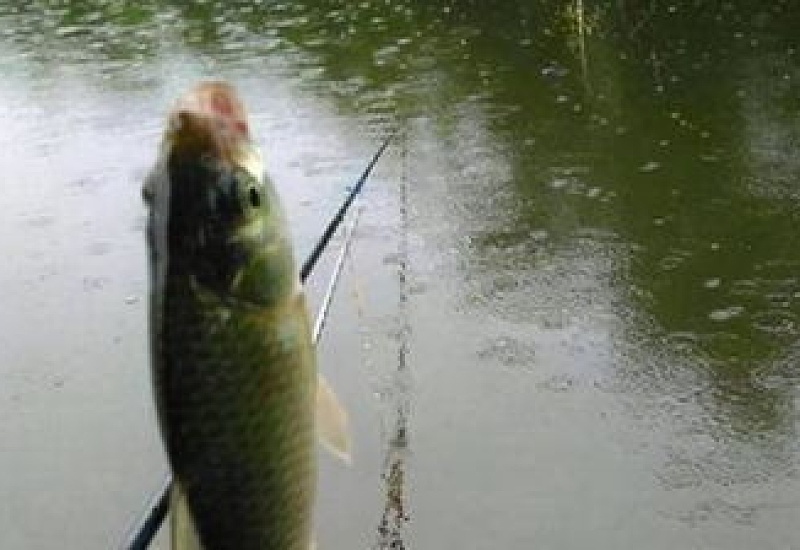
183	531
149	188
332	423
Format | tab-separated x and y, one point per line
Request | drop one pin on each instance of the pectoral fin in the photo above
332	424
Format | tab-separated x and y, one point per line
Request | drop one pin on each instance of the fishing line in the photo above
308	266
157	507
324	308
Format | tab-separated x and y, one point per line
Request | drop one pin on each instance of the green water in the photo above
571	316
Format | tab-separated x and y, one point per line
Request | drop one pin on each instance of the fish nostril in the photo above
255	198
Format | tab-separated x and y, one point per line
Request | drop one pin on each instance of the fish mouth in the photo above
212	198
211	113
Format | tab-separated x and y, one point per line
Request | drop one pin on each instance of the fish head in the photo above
213	197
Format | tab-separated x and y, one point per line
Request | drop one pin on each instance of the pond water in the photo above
571	315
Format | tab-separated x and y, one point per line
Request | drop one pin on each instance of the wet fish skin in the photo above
233	364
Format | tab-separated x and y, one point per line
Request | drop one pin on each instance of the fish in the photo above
238	398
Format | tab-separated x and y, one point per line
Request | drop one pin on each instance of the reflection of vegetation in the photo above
712	260
83	30
636	127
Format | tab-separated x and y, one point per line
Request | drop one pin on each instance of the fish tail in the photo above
184	533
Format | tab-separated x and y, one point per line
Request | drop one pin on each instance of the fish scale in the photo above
241	411
240	407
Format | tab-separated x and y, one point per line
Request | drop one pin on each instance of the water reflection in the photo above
713	266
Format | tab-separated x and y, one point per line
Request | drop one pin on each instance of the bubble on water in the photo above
40	221
775	322
683	340
726	314
70	30
509	352
98	249
650	166
539	235
554	69
673	261
558	383
712	283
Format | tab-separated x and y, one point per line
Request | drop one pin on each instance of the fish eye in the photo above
255	198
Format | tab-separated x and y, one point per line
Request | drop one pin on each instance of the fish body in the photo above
233	362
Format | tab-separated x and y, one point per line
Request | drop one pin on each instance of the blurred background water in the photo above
571	316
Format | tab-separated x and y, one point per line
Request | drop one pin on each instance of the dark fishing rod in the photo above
158	506
339	216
